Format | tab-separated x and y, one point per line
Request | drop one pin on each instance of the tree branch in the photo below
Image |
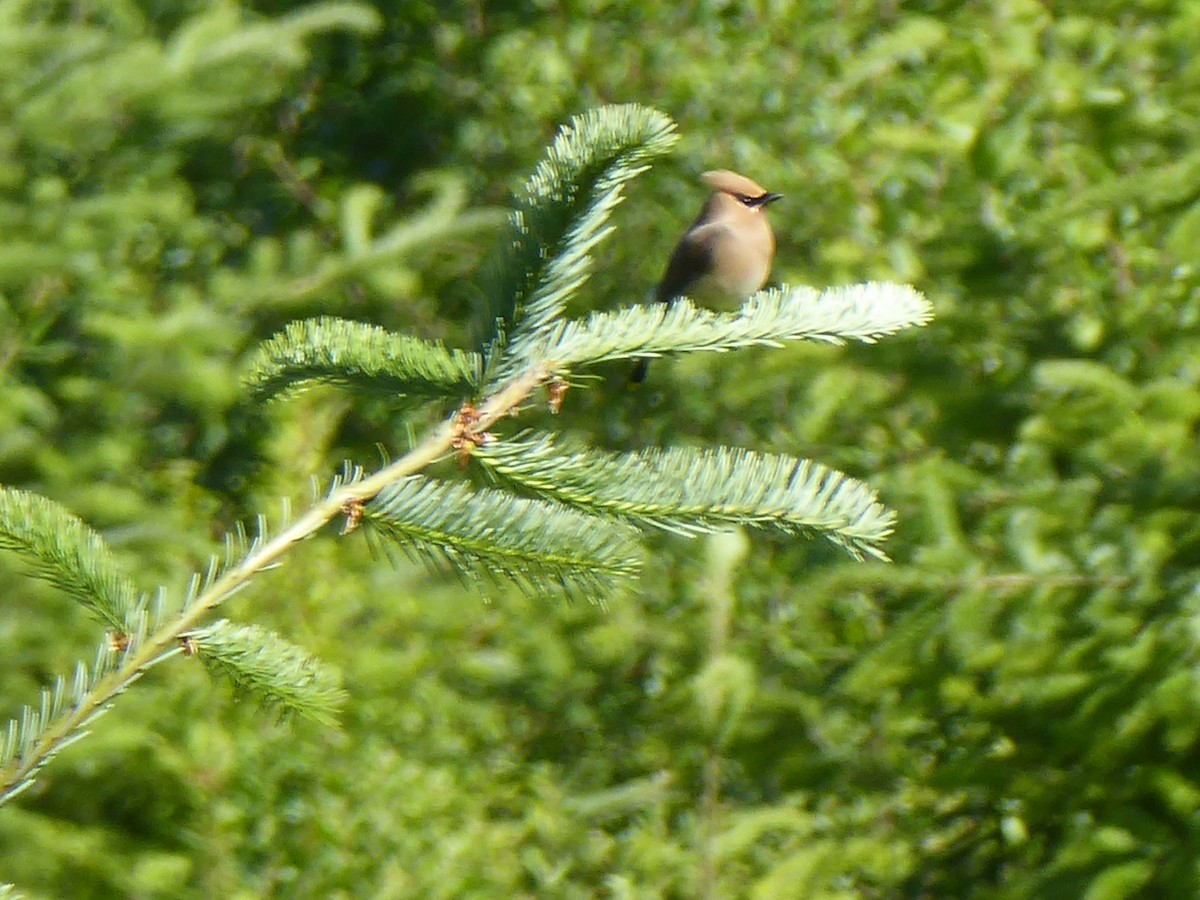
168	641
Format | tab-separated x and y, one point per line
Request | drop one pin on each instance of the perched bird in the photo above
726	255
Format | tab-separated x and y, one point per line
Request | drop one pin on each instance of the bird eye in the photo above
747	200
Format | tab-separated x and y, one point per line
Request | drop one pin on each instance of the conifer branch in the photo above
42	733
692	491
277	673
562	217
68	554
329	350
576	531
526	541
65	715
862	312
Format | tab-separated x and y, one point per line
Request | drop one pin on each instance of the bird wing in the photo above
691	261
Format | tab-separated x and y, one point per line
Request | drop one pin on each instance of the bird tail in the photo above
640	368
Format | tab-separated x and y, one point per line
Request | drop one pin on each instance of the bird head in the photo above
746	192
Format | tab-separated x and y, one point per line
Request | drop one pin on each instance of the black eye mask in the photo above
759	201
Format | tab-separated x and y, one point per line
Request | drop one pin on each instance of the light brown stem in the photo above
166	641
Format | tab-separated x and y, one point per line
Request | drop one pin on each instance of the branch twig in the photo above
168	640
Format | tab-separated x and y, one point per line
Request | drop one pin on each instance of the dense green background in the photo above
1011	709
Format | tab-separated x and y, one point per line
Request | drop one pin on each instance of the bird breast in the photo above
740	262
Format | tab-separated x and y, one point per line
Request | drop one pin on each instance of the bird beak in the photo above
771	198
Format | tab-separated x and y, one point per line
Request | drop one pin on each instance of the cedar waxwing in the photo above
726	255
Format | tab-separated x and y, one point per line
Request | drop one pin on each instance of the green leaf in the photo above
563	215
68	554
629	797
722	691
862	312
336	351
690	490
1127	879
528	542
219	37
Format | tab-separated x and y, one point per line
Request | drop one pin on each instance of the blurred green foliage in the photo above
1011	709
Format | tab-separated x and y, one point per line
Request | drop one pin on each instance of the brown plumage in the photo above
725	256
